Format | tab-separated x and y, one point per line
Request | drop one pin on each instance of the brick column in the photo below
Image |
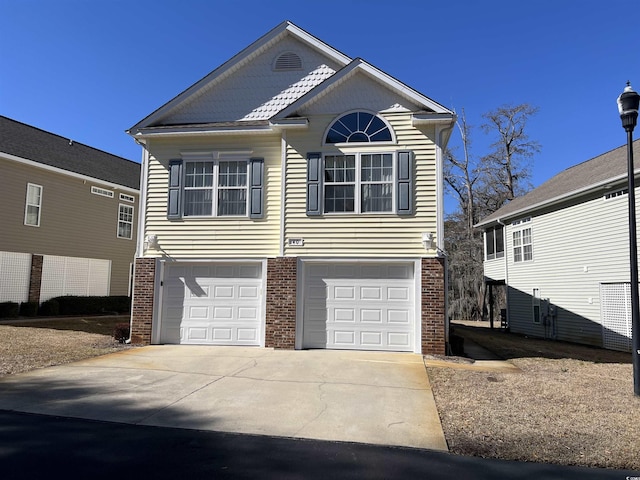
280	327
35	279
144	276
433	305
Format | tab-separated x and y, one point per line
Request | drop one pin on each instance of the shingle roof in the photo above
610	167
31	143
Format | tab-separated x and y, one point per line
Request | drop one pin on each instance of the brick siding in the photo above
35	279
142	304
433	306
280	329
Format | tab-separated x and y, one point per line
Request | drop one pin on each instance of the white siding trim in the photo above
142	202
283	187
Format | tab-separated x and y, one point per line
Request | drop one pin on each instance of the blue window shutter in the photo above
314	183
174	203
256	188
404	183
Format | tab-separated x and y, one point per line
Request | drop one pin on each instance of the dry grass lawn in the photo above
570	404
31	344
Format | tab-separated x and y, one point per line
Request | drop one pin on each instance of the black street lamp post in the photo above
628	103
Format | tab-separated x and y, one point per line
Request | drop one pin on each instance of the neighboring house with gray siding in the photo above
562	250
69	216
293	198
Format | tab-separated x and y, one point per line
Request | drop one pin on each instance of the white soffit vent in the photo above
287	61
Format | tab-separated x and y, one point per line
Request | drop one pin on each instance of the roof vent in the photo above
288	61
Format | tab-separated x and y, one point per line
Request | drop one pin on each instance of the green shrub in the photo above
50	308
73	305
121	332
9	309
28	309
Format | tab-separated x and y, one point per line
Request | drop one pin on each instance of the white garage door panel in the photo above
212	304
359	306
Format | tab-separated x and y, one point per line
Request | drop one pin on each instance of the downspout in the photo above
440	132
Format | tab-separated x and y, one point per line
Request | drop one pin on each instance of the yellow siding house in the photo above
293	198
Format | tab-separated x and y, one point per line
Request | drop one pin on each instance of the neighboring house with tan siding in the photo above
562	250
69	216
293	198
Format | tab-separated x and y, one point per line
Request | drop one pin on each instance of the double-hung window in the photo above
361	183
33	205
215	189
125	221
522	241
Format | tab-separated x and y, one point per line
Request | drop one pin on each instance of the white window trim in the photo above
27	205
358	183
103	192
535	297
393	141
120	206
526	225
495	255
215	188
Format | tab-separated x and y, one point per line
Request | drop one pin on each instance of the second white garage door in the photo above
215	304
359	306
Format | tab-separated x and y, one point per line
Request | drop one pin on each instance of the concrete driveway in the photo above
368	397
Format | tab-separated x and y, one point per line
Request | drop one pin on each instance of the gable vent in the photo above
288	61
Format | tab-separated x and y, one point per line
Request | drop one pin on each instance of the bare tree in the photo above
481	186
461	176
508	163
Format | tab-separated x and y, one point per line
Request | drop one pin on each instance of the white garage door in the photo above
215	304
359	306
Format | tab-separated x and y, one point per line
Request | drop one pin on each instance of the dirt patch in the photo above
569	405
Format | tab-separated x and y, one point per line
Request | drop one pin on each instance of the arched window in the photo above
359	127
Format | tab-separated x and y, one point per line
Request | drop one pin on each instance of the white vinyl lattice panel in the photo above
15	270
74	276
616	316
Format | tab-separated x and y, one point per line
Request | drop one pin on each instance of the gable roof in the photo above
318	79
359	65
30	143
602	172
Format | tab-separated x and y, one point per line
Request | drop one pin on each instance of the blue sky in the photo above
89	70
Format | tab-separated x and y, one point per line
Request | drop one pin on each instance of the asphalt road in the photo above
39	446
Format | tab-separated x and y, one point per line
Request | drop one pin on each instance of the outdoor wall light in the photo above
151	242
427	240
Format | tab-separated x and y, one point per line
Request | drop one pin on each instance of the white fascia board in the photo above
240	59
529	209
433	118
190	131
68	173
317	44
401	88
290	123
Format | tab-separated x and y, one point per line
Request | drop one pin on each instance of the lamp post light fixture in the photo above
628	103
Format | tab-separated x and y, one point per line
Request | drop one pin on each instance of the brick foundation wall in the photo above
280	329
433	305
35	279
142	304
